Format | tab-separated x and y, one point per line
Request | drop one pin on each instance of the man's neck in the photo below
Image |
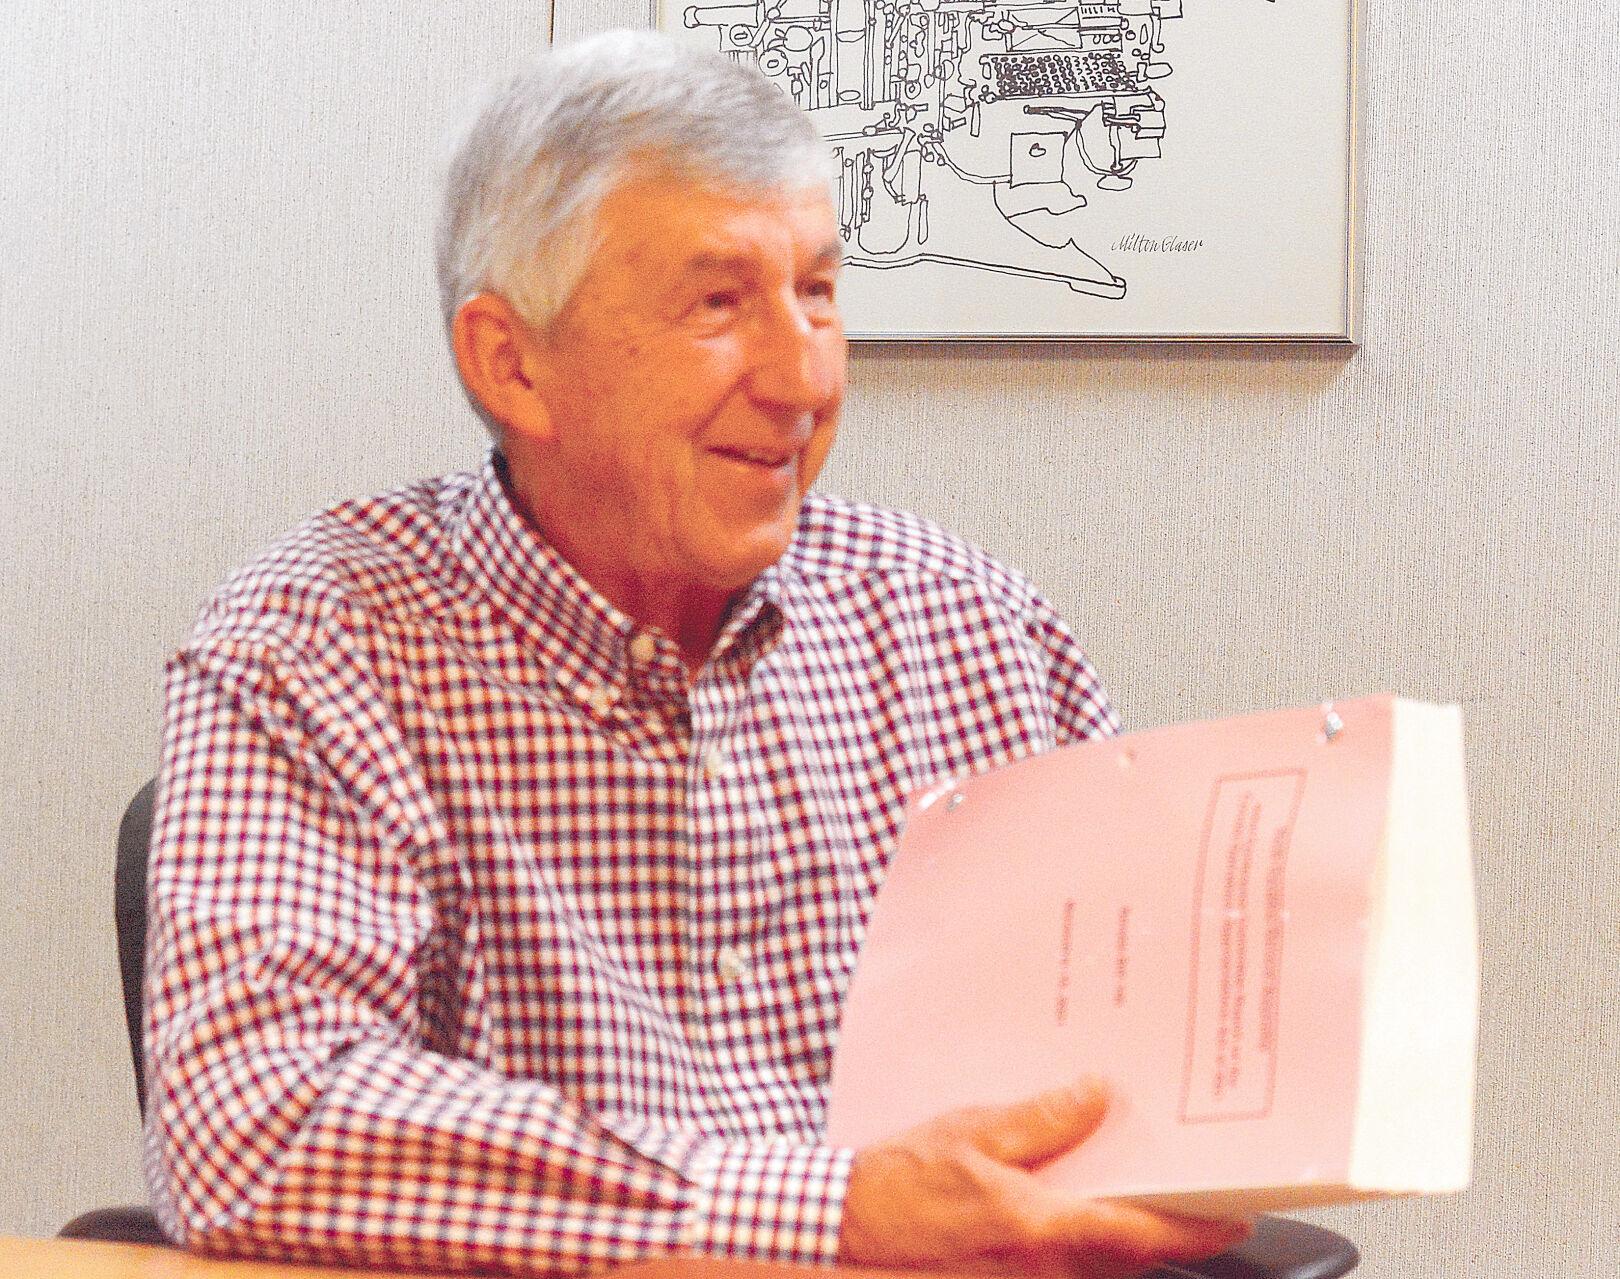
691	617
690	614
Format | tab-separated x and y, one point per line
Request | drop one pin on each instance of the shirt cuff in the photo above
774	1201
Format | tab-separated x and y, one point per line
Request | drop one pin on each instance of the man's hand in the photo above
957	1193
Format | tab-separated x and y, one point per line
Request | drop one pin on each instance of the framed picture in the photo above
1109	169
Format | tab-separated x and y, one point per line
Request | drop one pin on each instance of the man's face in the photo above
693	384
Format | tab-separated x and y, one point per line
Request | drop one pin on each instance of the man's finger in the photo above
1031	1132
1143	1236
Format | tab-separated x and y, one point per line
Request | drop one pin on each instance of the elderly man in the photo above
518	829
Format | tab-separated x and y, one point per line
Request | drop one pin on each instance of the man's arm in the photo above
1080	706
293	1110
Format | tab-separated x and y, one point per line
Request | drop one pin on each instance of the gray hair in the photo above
529	174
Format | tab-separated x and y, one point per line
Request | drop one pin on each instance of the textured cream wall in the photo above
217	316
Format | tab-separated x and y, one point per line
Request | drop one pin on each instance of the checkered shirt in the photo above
482	938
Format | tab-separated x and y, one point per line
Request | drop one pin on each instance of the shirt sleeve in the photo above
1080	704
294	1112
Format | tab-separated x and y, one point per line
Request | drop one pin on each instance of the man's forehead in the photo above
696	227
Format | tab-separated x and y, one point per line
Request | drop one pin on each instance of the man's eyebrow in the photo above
829	255
715	264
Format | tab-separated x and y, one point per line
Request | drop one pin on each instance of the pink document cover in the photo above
1182	912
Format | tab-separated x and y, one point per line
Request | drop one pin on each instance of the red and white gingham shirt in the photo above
480	939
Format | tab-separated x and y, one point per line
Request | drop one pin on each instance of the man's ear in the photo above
500	361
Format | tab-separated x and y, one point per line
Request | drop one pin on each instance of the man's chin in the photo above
735	567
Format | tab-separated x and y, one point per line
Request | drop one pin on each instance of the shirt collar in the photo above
583	638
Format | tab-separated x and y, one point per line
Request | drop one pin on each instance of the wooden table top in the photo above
82	1259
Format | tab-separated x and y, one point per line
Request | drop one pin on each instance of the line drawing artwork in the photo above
935	108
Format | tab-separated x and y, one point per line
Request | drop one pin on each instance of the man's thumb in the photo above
1040	1128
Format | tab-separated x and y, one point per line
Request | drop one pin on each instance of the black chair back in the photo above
135	1223
129	915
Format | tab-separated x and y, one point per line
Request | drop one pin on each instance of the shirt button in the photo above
714	763
643	648
731	964
601	698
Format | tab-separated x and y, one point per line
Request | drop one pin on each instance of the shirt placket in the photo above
719	957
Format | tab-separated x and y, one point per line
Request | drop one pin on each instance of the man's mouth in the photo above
768	458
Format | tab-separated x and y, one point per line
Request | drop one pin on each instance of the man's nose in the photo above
799	359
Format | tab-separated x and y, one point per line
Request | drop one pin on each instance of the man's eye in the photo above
720	300
821	289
